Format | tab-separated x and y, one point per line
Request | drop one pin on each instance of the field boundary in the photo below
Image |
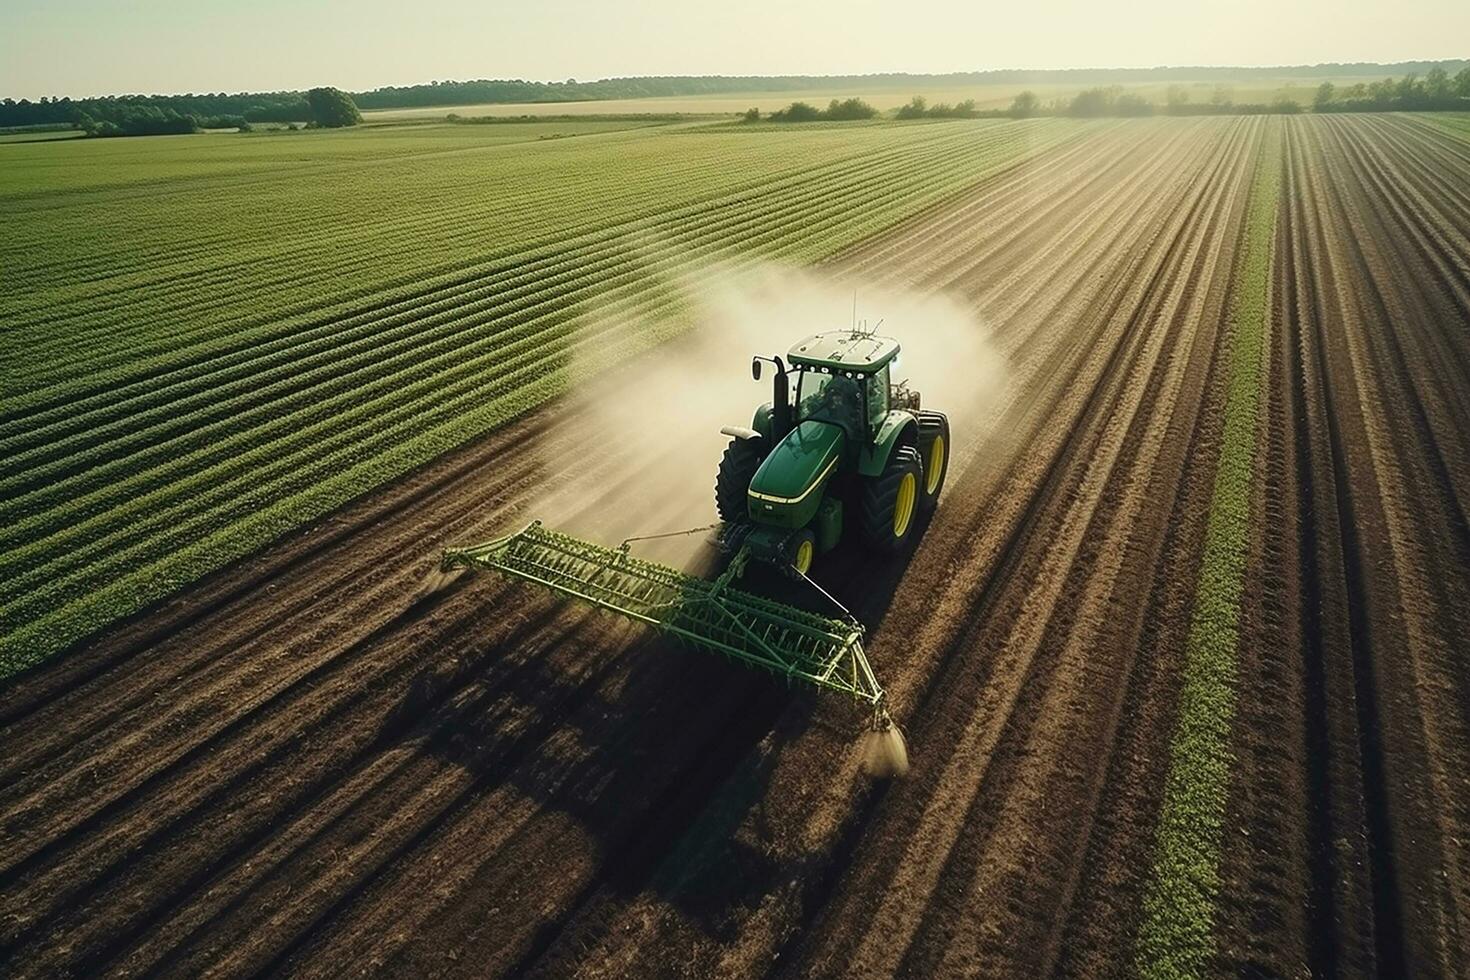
1177	935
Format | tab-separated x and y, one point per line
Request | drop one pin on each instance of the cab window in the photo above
877	398
828	397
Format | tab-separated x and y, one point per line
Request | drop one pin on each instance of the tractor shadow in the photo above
864	584
662	754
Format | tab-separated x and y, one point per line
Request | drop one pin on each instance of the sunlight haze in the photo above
93	47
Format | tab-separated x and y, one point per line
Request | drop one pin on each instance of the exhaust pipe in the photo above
781	421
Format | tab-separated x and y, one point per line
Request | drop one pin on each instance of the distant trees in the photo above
1025	105
752	114
176	114
259	107
1110	101
1424	86
917	107
332	108
1130	104
1437	83
850	109
1436	91
964	109
1094	102
846	109
138	121
473	92
292	110
797	112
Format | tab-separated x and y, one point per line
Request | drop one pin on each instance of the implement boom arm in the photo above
708	615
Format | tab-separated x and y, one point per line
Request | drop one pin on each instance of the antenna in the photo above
854	309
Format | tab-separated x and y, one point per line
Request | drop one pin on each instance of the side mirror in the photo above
755	368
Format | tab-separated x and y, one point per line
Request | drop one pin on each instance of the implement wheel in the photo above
890	502
802	550
934	449
737	468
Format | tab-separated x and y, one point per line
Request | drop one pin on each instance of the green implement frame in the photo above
708	615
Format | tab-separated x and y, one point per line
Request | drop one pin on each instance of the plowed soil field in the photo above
231	784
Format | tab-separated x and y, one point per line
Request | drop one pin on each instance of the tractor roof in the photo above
845	349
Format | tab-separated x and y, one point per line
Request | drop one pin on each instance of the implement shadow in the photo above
675	750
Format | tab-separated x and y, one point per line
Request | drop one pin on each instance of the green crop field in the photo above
213	339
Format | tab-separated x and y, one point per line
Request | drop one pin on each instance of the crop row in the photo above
1177	936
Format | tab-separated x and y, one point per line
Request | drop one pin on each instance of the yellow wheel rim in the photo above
804	552
934	466
903	507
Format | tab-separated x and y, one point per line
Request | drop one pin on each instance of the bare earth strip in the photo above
1352	806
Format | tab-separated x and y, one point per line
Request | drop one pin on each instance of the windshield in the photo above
832	398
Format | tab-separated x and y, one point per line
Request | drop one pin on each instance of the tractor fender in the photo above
762	420
899	428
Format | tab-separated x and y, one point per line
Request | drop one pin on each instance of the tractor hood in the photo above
787	488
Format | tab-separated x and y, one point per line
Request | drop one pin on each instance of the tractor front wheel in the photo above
737	468
890	502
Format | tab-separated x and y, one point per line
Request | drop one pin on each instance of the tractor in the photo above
844	446
853	449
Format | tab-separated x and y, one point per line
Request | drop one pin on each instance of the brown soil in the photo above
257	778
1348	853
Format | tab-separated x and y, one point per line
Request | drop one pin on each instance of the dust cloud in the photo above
645	434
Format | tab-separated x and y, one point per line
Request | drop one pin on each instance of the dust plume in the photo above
647	432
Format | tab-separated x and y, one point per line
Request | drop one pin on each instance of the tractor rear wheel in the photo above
934	448
890	502
737	468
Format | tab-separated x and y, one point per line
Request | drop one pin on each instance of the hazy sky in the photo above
87	47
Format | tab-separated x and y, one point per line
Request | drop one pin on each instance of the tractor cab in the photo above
842	379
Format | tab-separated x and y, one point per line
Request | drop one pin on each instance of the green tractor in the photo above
851	448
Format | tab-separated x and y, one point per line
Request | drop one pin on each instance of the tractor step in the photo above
706	614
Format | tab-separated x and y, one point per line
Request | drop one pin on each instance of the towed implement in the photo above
840	451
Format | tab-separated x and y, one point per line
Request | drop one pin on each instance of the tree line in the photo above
282	107
836	110
917	108
159	116
152	114
1436	91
